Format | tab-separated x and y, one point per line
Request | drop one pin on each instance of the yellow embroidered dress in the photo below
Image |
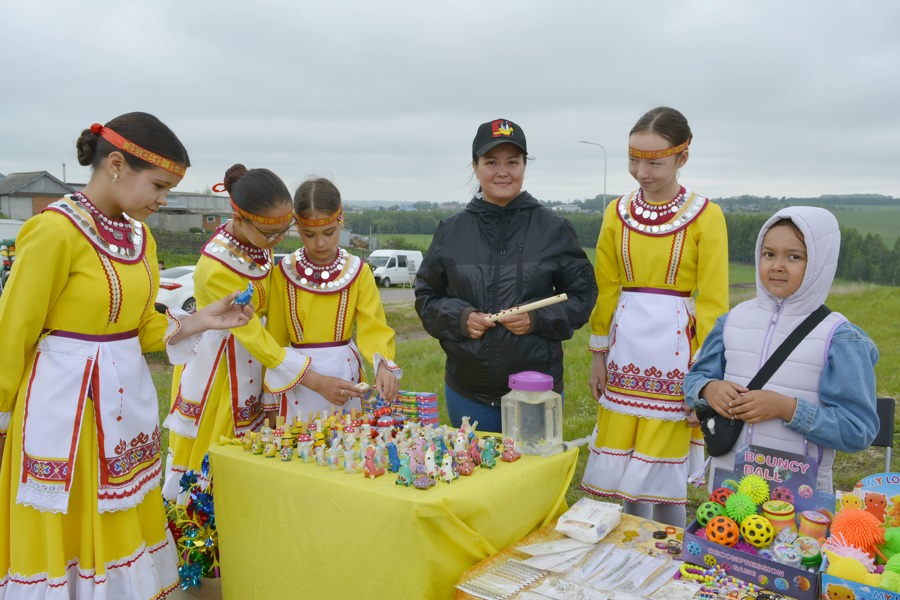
80	507
219	392
650	278
315	315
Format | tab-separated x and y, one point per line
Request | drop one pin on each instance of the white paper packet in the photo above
589	520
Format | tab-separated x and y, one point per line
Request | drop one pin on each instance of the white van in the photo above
395	266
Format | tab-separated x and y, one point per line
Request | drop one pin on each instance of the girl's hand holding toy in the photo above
334	389
386	383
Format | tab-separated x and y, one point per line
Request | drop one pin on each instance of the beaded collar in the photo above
654	214
104	235
321	279
315	275
690	208
249	261
113	231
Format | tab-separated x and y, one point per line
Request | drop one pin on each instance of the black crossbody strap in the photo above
787	346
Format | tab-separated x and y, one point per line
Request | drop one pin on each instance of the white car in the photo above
176	288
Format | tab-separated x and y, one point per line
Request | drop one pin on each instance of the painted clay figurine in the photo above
510	454
404	475
370	469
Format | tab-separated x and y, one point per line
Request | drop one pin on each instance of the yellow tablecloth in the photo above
300	530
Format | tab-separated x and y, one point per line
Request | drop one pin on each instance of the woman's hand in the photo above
720	395
757	406
599	375
222	314
386	383
517	324
334	389
477	324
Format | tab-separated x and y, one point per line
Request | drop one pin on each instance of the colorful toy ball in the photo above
859	528
722	530
739	506
782	493
757	530
756	487
709	510
720	495
730	484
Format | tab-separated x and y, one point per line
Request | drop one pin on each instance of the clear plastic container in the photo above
531	412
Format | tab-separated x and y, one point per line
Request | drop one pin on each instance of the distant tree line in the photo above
863	257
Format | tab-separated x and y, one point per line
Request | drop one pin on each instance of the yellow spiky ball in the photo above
756	487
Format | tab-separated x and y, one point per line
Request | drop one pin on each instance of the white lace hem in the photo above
146	573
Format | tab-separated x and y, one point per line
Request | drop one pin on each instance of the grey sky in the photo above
784	98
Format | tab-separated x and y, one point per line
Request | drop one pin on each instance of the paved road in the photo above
397	295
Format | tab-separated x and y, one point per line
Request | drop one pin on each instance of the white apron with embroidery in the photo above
245	380
66	373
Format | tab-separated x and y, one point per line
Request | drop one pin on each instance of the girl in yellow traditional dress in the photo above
220	391
318	293
80	508
662	250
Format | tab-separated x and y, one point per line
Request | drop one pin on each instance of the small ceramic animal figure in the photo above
404	475
393	457
475	452
461	443
243	299
510	454
447	472
488	460
423	480
430	464
319	453
464	466
370	469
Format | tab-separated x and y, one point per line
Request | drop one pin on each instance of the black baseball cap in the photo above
496	132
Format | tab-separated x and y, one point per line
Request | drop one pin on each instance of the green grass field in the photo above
881	220
422	360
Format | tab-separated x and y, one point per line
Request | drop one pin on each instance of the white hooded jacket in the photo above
744	339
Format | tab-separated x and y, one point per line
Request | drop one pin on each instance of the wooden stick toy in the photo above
516	310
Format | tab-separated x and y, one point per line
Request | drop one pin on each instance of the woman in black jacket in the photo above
504	250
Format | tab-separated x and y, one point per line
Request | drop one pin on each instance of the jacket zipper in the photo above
776	314
519	267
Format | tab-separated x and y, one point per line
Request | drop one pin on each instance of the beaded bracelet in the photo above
716	577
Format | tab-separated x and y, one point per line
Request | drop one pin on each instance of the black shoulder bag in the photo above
720	433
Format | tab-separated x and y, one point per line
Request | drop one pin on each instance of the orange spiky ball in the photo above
859	528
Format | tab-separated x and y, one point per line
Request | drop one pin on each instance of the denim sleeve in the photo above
709	366
845	418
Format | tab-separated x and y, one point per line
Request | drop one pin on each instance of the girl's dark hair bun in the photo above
86	146
234	173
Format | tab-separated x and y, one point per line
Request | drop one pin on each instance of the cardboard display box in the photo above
793	472
878	494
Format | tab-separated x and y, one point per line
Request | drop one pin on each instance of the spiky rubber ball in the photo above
739	506
756	487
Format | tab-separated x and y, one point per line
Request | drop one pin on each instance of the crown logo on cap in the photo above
501	127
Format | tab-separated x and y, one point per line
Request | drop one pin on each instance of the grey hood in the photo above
823	245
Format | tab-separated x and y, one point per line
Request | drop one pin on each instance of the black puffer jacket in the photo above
490	258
